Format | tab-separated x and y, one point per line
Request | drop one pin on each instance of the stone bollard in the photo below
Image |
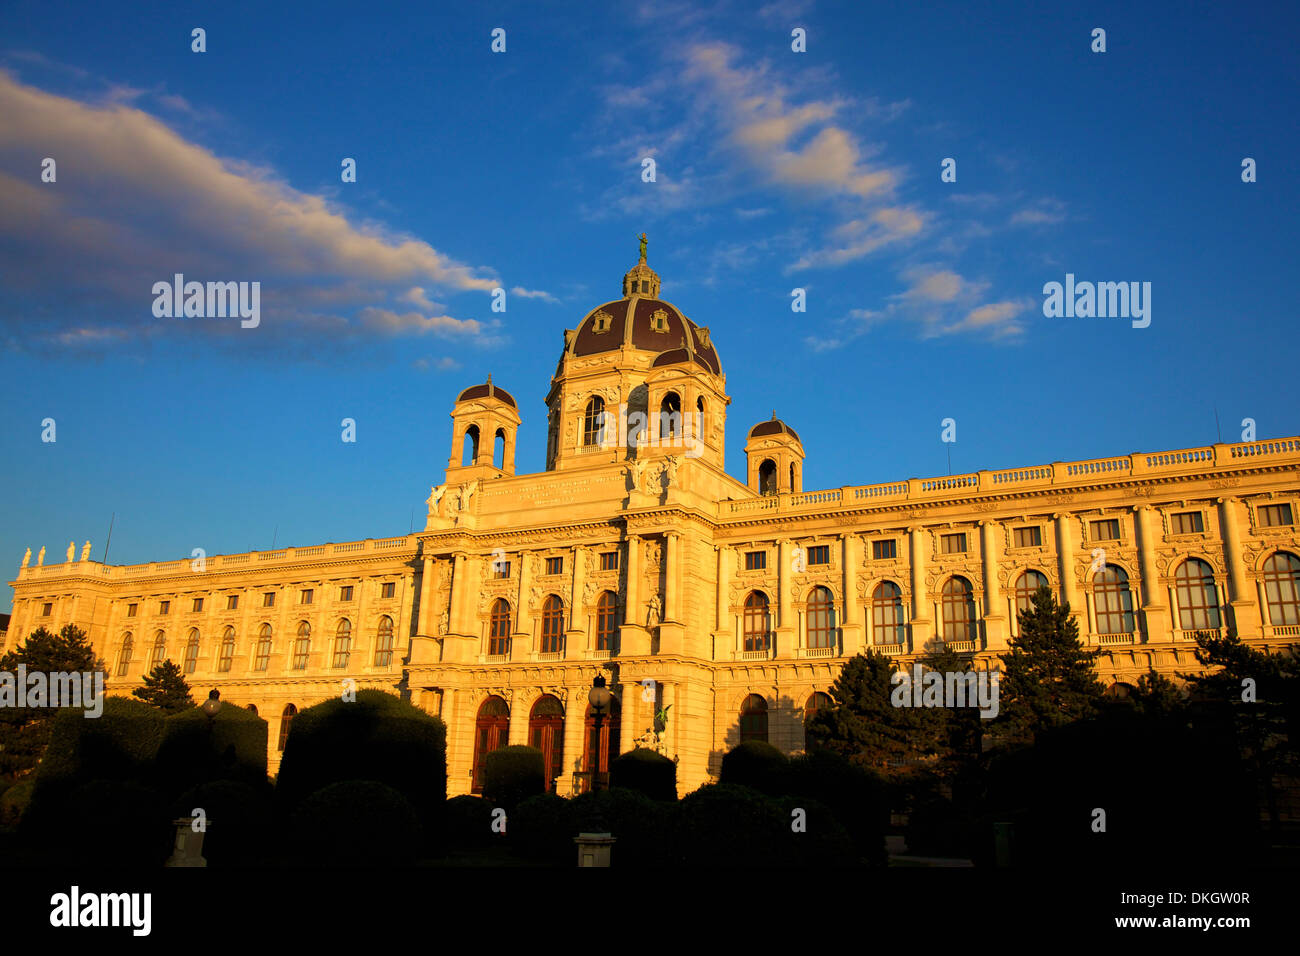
189	844
594	848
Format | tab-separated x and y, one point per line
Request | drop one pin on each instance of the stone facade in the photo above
635	555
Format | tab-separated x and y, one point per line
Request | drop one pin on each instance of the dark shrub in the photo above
376	737
468	823
858	798
198	749
113	823
937	827
512	775
238	819
541	829
755	763
14	802
646	772
356	823
821	839
727	825
642	827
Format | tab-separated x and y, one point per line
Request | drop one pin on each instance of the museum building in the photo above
726	607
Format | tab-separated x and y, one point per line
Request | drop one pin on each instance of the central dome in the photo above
643	321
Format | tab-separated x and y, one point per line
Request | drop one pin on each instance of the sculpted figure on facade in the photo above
40	558
85	551
436	495
27	556
72	549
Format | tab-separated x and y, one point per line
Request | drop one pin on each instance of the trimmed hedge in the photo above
467	823
645	771
755	763
198	749
376	737
857	797
643	827
114	823
512	775
541	829
120	744
358	823
14	802
238	818
728	825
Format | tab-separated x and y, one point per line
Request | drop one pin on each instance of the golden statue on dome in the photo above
643	243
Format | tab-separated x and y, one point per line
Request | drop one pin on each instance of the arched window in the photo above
700	431
1198	601
1112	601
192	651
159	653
262	659
821	618
343	643
1027	586
286	718
546	733
753	718
767	477
593	422
469	448
792	484
491	732
958	610
596	754
124	655
818	701
670	416
606	621
1282	588
499	448
384	642
227	655
499	633
302	646
552	625
758	621
1119	691
887	613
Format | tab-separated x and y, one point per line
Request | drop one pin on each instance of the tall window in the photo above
958	610
124	655
491	732
384	643
552	625
758	621
818	701
767	477
159	650
499	633
1282	588
1027	586
887	613
192	651
302	646
286	718
753	718
227	655
1270	516
596	753
606	620
1198	601
263	656
821	618
593	422
670	416
1113	601
546	733
343	643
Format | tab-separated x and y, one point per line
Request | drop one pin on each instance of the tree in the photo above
864	725
960	729
25	731
1158	696
1048	678
165	688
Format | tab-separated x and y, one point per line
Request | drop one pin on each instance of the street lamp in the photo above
599	698
212	704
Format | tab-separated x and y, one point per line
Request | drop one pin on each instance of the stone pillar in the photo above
1155	612
784	619
724	587
853	630
1246	613
1065	564
632	613
672	595
577	614
575	713
519	711
922	622
425	627
522	611
995	623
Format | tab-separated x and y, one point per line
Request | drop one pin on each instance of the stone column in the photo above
1154	611
672	592
1247	615
522	610
576	612
575	713
995	624
784	620
922	622
632	613
1065	564
425	627
724	586
853	629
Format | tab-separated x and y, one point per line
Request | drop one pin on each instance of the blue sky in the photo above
774	170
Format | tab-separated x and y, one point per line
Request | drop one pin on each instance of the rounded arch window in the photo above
758	621
887	613
753	718
821	618
1027	586
1112	601
343	643
1198	599
1281	577
499	628
552	625
958	610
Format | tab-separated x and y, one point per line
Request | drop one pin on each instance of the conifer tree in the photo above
165	688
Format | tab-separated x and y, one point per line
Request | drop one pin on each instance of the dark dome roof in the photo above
773	427
632	321
674	356
488	390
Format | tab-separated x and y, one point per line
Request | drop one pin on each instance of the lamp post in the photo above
212	704
599	698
